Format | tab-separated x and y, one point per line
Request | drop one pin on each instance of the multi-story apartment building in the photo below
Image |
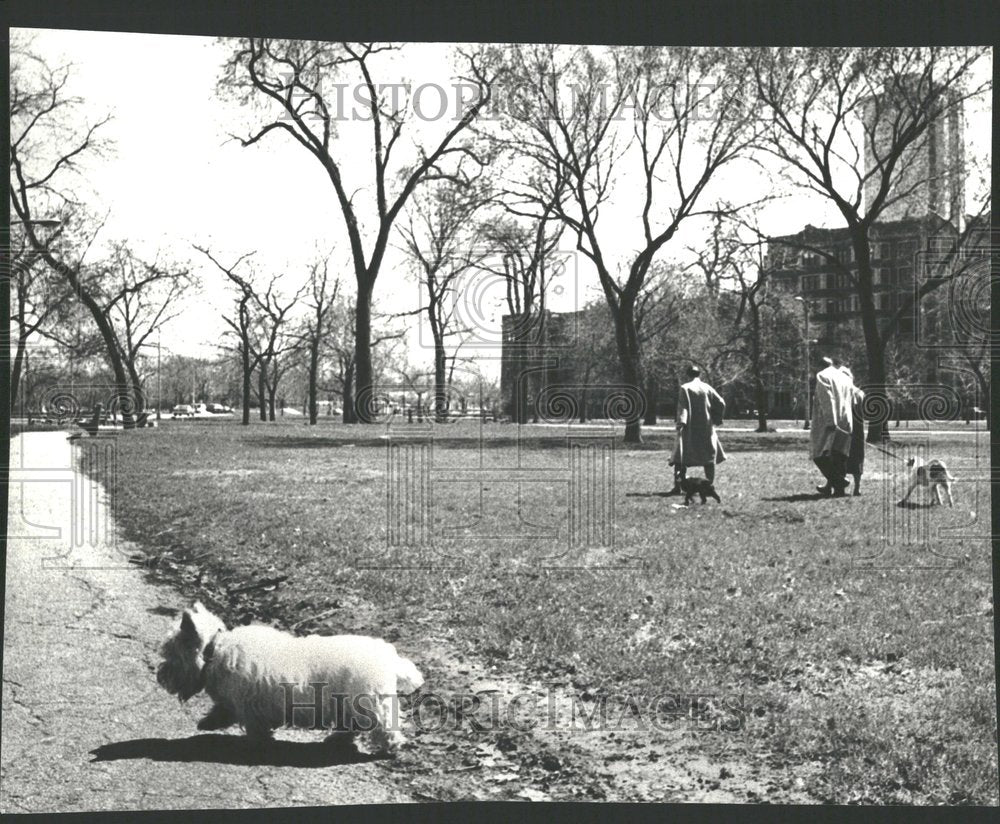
900	252
930	173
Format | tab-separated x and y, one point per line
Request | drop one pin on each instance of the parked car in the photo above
182	410
218	409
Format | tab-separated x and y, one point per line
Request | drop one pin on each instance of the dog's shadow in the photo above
234	749
652	495
913	505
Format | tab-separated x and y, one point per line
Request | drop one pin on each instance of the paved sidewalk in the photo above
85	726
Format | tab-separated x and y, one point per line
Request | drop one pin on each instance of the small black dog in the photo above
698	486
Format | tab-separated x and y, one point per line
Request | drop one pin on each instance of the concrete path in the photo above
85	726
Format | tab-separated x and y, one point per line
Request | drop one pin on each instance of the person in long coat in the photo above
832	424
700	409
856	456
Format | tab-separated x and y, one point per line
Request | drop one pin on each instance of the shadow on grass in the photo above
801	497
652	495
446	442
167	612
233	749
913	505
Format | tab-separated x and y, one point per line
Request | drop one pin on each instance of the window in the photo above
904	275
881	251
831	307
905	250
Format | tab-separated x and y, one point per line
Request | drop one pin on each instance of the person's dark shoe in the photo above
824	490
839	492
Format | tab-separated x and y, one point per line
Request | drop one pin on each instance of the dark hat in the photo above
693	371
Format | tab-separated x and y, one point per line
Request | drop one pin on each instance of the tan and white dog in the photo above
932	474
263	679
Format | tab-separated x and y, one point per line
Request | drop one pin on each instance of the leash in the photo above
886	452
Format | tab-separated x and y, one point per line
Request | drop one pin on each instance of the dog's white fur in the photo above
933	474
248	672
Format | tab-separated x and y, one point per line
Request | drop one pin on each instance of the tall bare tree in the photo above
851	126
243	324
41	298
688	121
323	293
291	74
521	254
438	237
140	297
48	144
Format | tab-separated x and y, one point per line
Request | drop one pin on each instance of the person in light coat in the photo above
855	465
700	409
832	425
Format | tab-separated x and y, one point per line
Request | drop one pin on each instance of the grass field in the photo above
859	632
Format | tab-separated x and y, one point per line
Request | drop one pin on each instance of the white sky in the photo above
177	179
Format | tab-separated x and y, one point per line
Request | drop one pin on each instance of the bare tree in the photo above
438	238
140	297
242	323
290	74
658	310
41	299
522	251
323	295
45	148
848	124
688	122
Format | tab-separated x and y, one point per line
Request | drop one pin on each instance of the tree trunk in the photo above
122	389
627	343
363	395
270	403
262	393
760	393
652	395
247	369
313	380
139	398
349	415
15	372
874	347
440	389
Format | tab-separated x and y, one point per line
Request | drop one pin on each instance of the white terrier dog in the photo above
262	679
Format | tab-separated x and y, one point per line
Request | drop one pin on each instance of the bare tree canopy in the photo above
847	124
291	74
686	122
